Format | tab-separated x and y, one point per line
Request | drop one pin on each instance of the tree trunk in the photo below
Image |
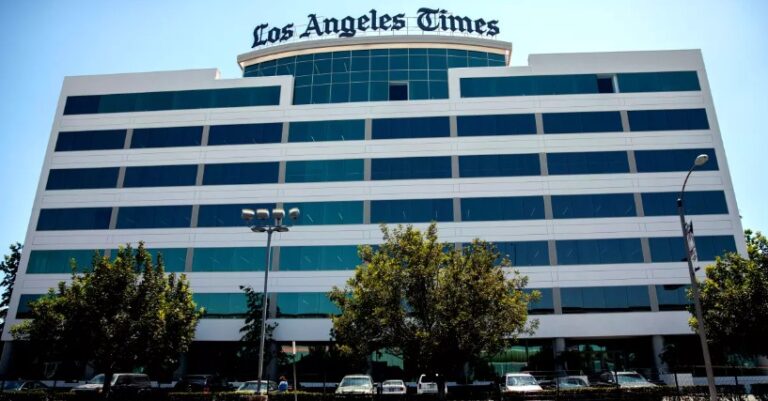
107	388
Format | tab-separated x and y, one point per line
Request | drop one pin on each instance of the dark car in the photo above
121	384
24	385
203	383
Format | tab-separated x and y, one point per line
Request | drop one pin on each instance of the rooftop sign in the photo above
426	20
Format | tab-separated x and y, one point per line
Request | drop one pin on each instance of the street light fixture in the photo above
688	230
264	225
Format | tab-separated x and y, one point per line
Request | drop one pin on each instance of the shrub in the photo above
23	396
190	396
232	396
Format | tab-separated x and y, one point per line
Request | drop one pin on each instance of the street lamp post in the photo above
263	225
700	160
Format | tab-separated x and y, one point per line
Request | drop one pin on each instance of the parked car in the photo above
519	383
566	382
203	382
356	384
122	383
626	379
24	385
393	387
424	386
252	387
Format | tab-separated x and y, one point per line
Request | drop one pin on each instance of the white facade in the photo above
599	325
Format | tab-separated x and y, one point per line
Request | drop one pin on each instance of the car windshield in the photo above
11	385
355	381
627	378
254	385
98	379
521	381
393	383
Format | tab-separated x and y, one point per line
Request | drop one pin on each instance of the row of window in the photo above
673	81
389	211
401	168
317	304
344	257
386	128
173	100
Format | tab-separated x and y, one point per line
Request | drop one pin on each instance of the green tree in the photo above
734	299
251	333
125	314
8	267
437	307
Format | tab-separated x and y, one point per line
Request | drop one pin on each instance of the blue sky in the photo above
42	41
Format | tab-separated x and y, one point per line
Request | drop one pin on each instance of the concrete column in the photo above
658	348
557	301
453	126
539	123
5	360
559	350
624	121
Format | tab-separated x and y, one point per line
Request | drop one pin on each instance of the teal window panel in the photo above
599	251
545	305
174	259
324	170
499	165
668	81
24	311
593	206
228	259
132	217
502	208
578	122
415	127
239	134
305	305
222	305
227	215
708	248
328	257
605	299
160	176
89	218
58	261
695	202
241	173
166	137
411	211
82	178
657	161
404	168
668	120
673	297
321	213
587	163
524	253
528	85
496	124
90	140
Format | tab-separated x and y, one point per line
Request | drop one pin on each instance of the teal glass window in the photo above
24	311
502	208
668	120
668	81
404	168
673	297
240	173
320	131
496	124
320	213
240	134
82	178
529	85
58	261
499	165
227	215
415	127
524	253
88	218
328	257
599	251
695	202
305	305
174	259
605	299
324	170
160	176
708	247
129	217
166	137
222	305
90	140
411	211
545	305
176	100
593	205
228	259
587	163
657	161
578	122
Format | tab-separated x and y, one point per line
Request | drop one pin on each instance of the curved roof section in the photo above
375	42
